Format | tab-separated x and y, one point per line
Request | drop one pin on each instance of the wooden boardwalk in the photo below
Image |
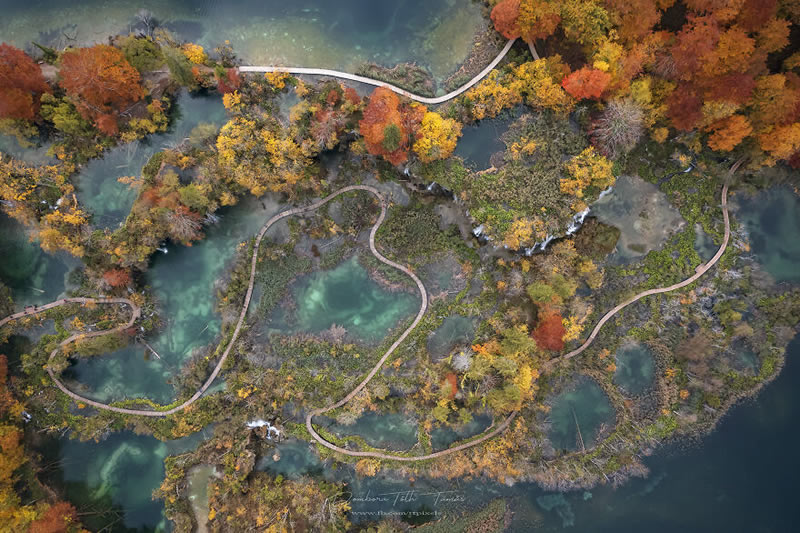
490	433
377	83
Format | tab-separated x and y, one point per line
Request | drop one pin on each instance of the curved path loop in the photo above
377	83
699	271
136	313
490	433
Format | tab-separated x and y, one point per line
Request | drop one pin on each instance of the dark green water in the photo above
455	330
444	437
34	276
643	215
478	142
291	459
582	405
390	431
772	219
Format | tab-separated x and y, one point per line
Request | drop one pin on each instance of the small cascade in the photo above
604	192
259	423
577	221
574	225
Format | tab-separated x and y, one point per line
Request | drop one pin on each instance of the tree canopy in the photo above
21	84
101	83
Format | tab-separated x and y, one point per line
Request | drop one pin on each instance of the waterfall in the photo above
577	221
262	423
604	192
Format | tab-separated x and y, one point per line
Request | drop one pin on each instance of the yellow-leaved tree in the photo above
587	169
437	137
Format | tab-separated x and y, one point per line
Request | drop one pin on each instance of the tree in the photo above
142	53
735	87
684	107
437	137
228	80
505	15
539	82
586	83
619	127
754	14
56	519
697	38
549	334
262	155
194	197
634	19
774	101
732	53
584	21
117	277
180	68
389	126
184	225
21	84
64	228
727	133
538	19
587	169
101	83
774	36
781	142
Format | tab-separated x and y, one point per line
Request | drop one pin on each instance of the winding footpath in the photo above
490	433
377	83
699	271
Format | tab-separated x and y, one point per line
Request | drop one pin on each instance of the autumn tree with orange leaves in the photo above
101	84
39	516
389	126
586	83
21	84
549	333
724	72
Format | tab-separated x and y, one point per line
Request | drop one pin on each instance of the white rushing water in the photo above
259	423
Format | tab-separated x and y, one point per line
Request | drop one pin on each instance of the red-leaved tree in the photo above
549	334
504	16
586	83
684	107
229	82
117	277
21	84
56	519
101	83
389	126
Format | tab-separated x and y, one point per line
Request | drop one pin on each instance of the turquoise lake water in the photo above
746	468
98	189
436	34
345	296
635	368
183	281
772	219
388	431
581	410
